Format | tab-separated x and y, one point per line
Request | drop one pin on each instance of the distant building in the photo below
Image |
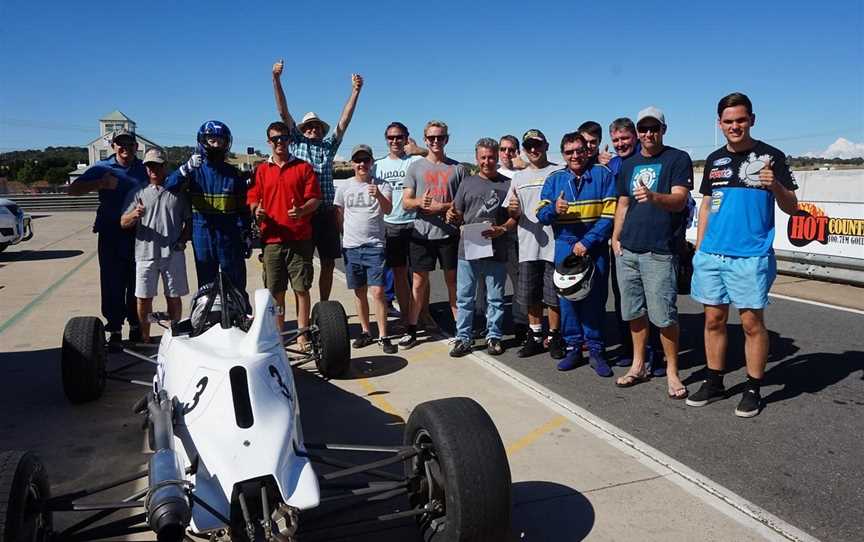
100	148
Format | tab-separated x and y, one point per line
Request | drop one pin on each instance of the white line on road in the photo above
817	303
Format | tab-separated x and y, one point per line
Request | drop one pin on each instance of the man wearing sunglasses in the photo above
310	144
430	185
282	198
653	187
579	203
114	178
536	249
398	222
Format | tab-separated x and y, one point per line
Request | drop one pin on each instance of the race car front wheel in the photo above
23	491
461	475
82	359
333	347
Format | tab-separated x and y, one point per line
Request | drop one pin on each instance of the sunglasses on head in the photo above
645	128
437	137
280	138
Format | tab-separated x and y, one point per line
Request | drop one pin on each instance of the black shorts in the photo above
535	284
425	252
398	244
325	233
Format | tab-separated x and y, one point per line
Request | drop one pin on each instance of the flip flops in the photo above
629	380
676	394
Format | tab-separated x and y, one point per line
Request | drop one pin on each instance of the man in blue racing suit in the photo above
579	203
220	217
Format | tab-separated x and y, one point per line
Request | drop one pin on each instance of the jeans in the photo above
468	273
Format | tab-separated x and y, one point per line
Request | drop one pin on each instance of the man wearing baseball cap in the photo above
310	144
650	220
113	178
161	220
536	248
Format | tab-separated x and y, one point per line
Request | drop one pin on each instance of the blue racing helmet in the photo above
213	128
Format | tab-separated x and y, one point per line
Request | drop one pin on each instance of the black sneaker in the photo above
460	348
557	349
533	346
521	334
410	338
363	340
708	393
494	347
750	404
135	334
115	341
388	347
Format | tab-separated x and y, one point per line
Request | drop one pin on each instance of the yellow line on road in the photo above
378	400
531	437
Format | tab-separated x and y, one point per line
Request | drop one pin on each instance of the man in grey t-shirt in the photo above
161	219
430	185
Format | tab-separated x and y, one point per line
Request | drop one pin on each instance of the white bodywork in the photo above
196	371
15	224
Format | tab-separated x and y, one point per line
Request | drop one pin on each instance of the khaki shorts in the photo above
171	269
288	262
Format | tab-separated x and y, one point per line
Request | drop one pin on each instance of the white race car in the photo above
15	224
230	461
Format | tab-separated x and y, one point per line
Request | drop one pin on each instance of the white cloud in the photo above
842	148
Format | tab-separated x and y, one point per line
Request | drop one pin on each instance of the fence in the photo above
55	202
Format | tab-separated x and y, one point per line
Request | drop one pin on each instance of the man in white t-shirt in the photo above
361	203
536	248
398	223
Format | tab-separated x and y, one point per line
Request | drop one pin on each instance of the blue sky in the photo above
486	68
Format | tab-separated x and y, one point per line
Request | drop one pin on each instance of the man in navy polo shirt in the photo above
735	262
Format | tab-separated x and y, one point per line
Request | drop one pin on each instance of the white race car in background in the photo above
230	461
15	224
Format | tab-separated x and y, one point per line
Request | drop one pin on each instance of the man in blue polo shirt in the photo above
735	262
114	178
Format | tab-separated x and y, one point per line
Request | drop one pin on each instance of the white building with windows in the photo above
100	148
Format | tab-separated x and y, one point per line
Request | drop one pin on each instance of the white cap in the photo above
652	113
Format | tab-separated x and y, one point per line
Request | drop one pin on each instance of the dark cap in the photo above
534	134
122	133
361	148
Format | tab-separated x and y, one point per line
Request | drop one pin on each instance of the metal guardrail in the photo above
55	202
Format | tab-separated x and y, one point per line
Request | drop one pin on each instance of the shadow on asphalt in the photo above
813	373
546	511
38	255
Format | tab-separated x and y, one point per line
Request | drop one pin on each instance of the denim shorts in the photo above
742	280
649	285
364	266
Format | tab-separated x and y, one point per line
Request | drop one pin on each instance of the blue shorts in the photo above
743	281
364	266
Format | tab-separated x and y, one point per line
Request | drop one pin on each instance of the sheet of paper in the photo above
476	246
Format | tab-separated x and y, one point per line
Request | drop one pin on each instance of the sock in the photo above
412	330
753	383
536	329
715	377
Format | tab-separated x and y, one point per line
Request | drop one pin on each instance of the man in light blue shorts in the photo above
734	262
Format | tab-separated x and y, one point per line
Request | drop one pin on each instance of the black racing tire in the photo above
82	359
333	347
469	473
23	489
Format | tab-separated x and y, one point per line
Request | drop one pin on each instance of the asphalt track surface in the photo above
801	459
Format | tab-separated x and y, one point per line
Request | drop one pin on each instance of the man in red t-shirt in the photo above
282	198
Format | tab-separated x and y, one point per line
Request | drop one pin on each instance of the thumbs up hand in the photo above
426	206
373	190
642	193
766	175
561	204
295	211
513	207
605	157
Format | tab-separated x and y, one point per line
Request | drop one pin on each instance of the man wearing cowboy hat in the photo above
310	144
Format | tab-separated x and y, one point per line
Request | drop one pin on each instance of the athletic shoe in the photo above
572	360
520	333
533	346
598	363
388	347
115	341
393	311
624	361
494	347
708	393
750	404
363	340
460	348
557	349
410	338
655	362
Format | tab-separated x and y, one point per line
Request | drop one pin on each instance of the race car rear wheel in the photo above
23	490
82	359
333	346
462	470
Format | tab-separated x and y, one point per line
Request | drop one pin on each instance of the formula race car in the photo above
230	461
15	224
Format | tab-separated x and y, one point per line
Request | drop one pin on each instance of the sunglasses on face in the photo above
533	146
579	151
436	137
125	144
395	137
310	127
280	139
508	150
654	128
362	160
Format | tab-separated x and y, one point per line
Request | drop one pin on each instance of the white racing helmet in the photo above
573	277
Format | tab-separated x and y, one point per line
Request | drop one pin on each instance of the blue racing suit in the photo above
590	215
220	219
116	245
